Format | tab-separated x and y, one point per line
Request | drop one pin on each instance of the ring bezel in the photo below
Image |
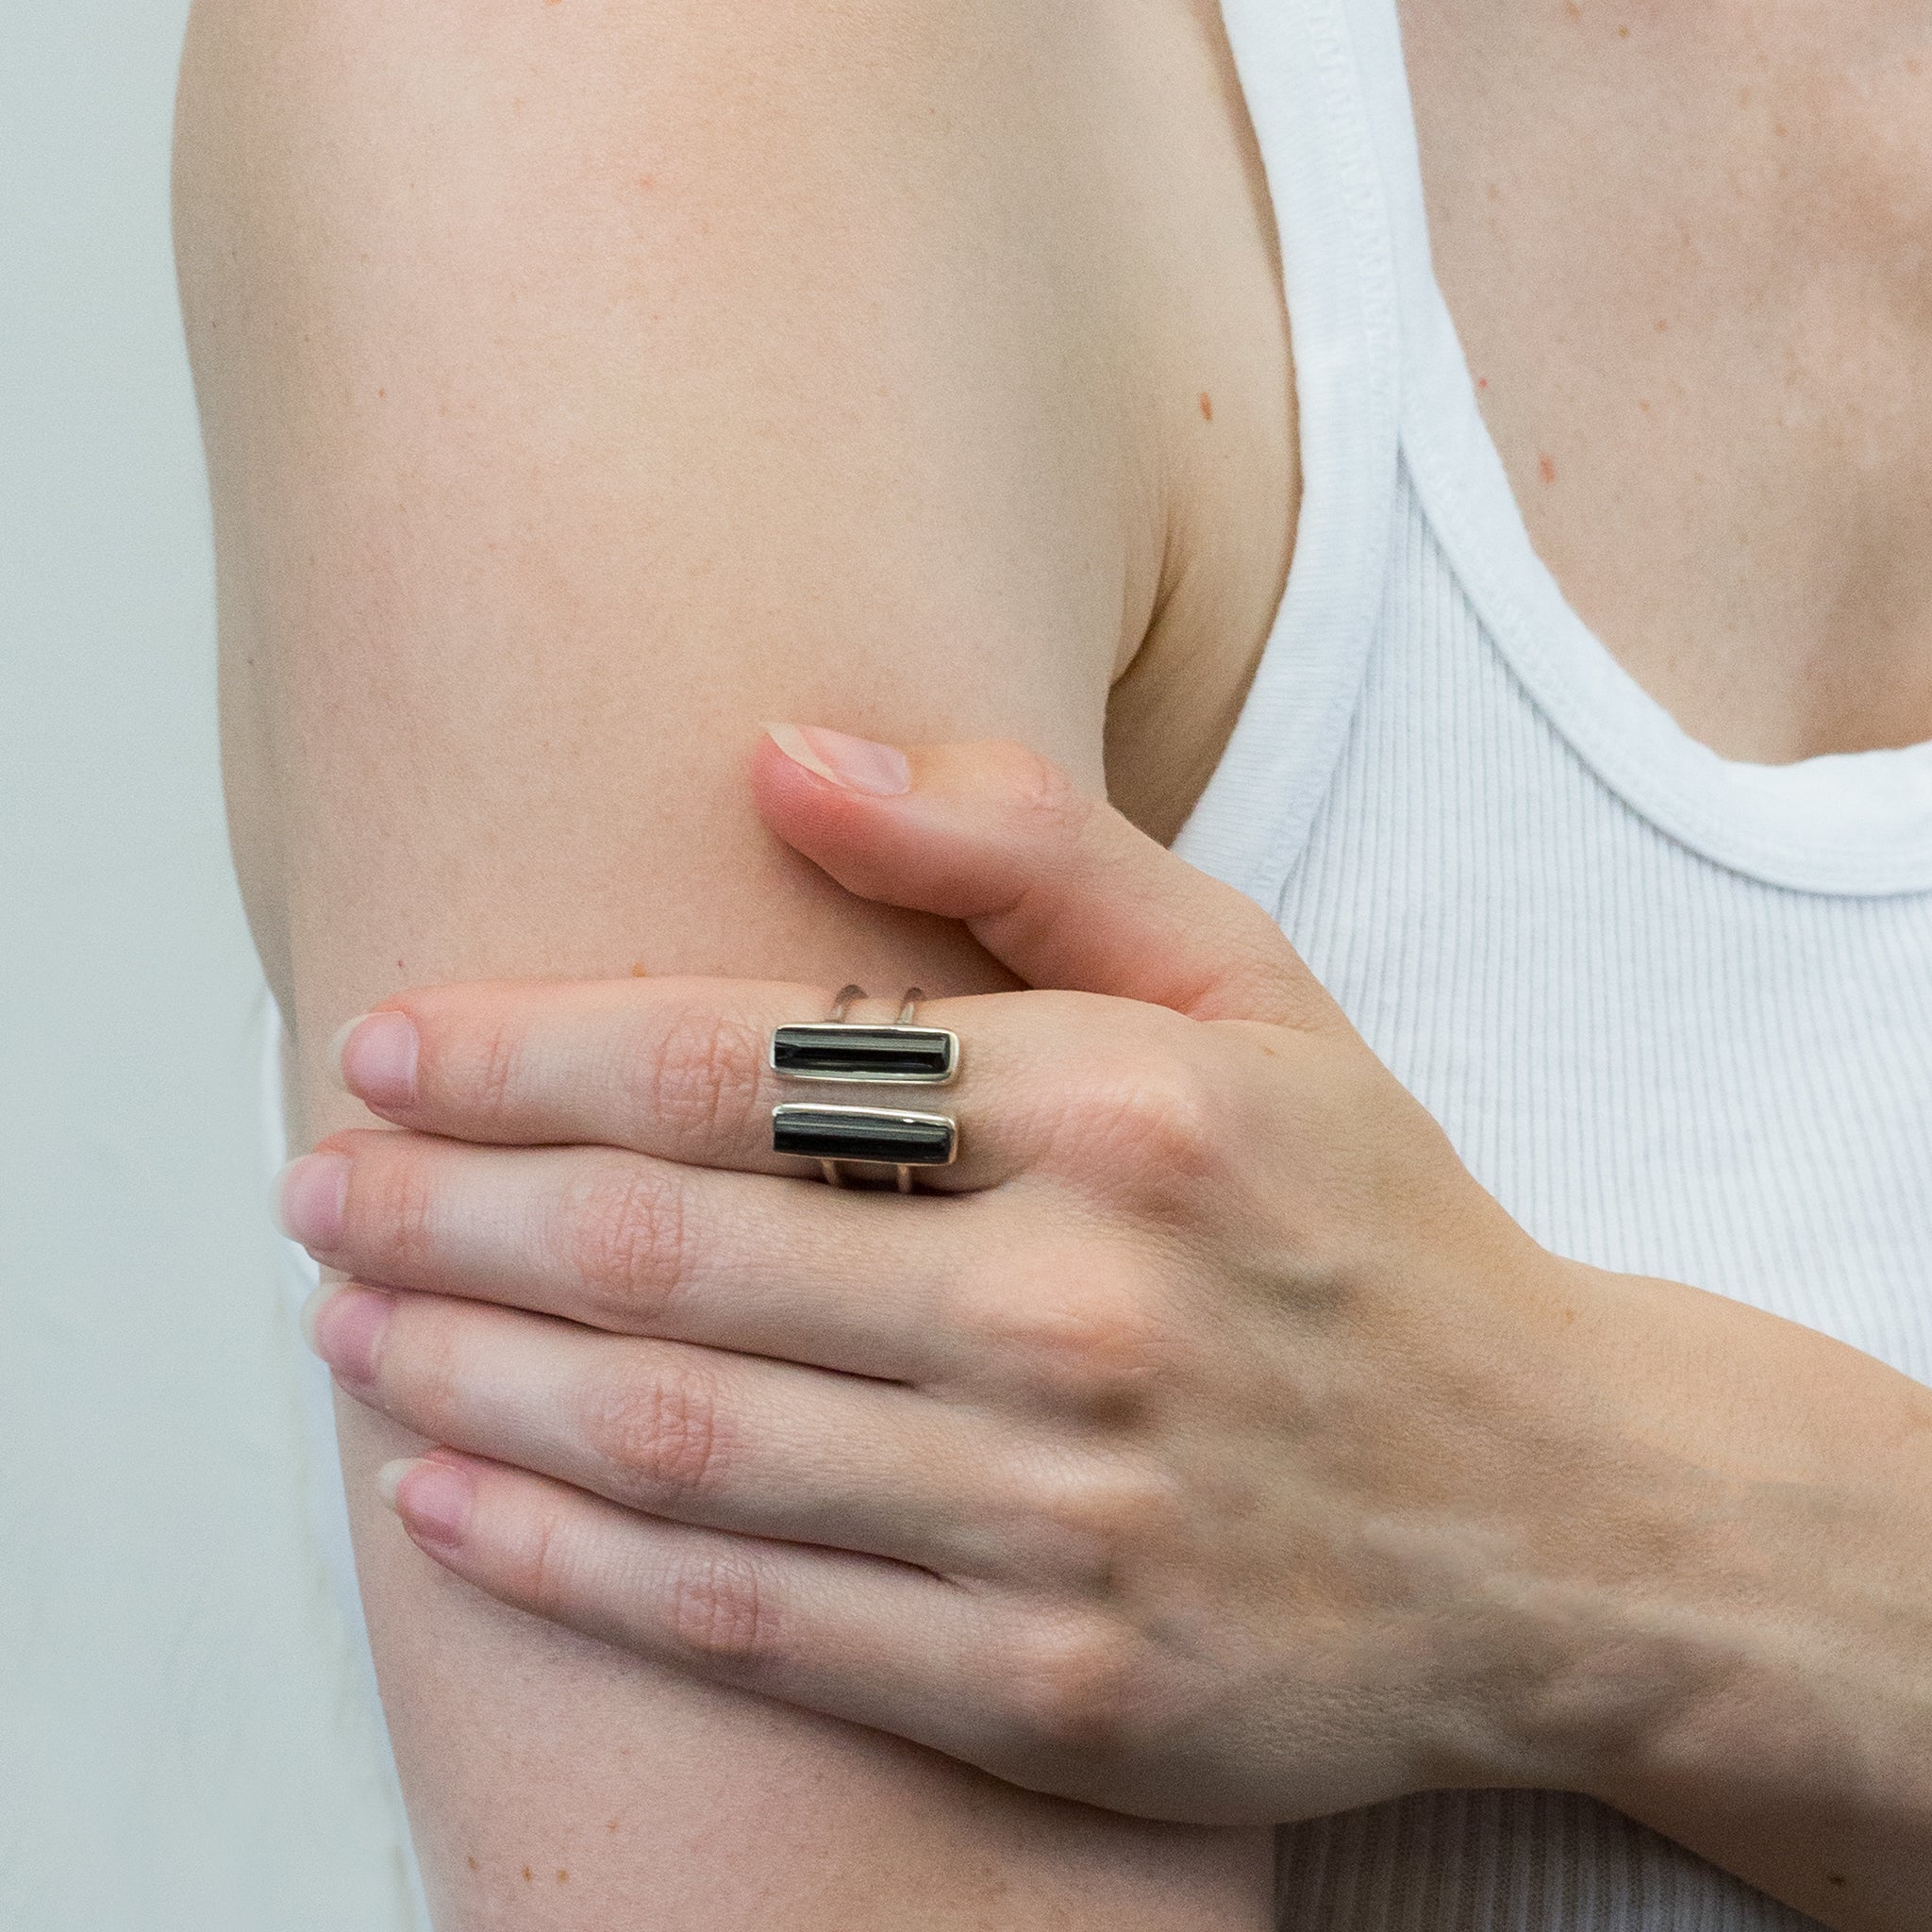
874	1136
855	1054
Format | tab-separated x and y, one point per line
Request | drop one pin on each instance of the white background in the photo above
183	1740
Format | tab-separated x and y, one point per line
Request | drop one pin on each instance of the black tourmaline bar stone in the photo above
861	1133
924	1055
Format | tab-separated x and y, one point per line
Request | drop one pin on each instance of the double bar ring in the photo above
899	1054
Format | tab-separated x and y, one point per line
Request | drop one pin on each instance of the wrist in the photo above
1613	1616
1733	1623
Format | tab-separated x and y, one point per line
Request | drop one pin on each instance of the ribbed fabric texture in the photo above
1658	1066
1674	1012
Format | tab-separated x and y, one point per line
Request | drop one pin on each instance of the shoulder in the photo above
966	316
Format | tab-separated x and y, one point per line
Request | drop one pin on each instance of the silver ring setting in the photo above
900	1055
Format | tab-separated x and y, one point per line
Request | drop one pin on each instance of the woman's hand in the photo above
1207	1444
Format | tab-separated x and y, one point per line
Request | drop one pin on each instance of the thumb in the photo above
1056	885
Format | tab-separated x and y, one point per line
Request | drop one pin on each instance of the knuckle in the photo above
1035	790
538	1574
1157	1123
489	1064
721	1607
659	1430
624	1235
1076	1684
1109	1521
1081	1332
421	1369
393	1201
700	1074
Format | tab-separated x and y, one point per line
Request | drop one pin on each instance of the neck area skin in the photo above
1688	252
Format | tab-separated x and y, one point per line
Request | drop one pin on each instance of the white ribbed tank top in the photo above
1676	1011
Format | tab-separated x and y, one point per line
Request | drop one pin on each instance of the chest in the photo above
1657	1064
1689	253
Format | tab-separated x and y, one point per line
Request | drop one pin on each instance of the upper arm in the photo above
584	382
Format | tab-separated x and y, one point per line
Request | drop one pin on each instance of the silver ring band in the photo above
901	1054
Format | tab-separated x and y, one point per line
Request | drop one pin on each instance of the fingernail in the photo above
343	1326
311	1197
432	1497
376	1058
856	763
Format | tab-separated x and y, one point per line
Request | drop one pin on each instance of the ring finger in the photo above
680	1069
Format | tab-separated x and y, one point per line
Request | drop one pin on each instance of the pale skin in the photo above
1209	1446
509	330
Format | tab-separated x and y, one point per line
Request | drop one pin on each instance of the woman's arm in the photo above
583	382
1242	1460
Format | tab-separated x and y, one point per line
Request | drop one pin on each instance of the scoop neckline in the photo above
1853	823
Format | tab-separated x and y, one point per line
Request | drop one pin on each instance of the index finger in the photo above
677	1068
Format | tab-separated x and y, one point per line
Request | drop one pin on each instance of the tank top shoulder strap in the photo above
1391	430
1324	85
